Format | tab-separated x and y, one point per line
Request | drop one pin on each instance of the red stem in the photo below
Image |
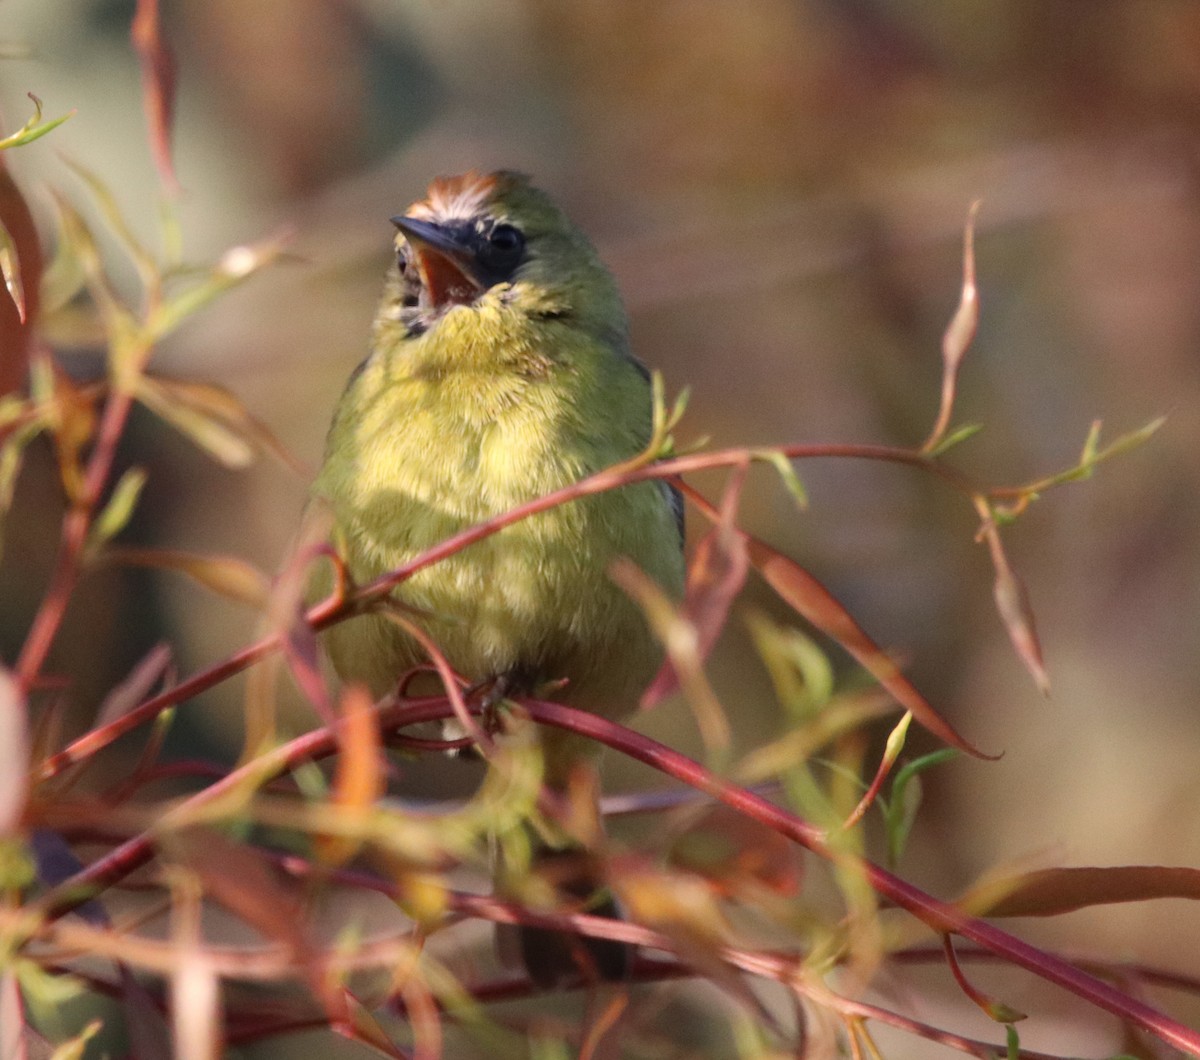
939	916
76	522
335	609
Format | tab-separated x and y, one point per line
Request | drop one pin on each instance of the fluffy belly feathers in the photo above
534	598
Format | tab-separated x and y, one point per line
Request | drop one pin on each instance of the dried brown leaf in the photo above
244	882
158	85
682	643
817	605
1016	612
359	778
959	335
17	314
359	1025
716	574
730	849
1052	892
1012	601
10	269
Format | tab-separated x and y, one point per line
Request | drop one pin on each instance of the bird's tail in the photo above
567	880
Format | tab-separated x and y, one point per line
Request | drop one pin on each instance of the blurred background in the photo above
780	187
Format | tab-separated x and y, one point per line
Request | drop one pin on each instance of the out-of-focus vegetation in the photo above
780	186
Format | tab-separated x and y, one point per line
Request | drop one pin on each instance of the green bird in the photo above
500	370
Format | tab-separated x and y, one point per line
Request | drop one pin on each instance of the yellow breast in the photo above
449	429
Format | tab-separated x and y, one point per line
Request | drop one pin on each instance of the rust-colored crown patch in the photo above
459	197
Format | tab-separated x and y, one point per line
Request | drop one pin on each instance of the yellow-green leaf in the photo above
34	128
954	437
236	265
226	576
76	1048
223	443
112	216
787	474
119	509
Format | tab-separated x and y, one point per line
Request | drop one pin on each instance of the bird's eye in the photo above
506	239
502	247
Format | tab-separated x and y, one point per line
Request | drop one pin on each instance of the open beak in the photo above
445	260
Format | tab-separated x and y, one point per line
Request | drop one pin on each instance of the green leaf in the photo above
959	434
119	322
62	279
119	509
787	472
905	800
12	408
800	671
236	266
46	989
223	444
1014	1042
112	216
76	1048
17	869
34	128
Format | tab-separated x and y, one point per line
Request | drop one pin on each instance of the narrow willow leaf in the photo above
135	687
787	473
226	411
800	671
62	279
158	85
681	639
34	128
1052	892
1016	612
223	444
112	216
959	334
10	269
817	605
901	811
77	1047
358	777
895	744
956	437
227	576
1091	445
119	322
119	509
715	577
236	266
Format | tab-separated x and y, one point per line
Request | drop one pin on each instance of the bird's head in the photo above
492	236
